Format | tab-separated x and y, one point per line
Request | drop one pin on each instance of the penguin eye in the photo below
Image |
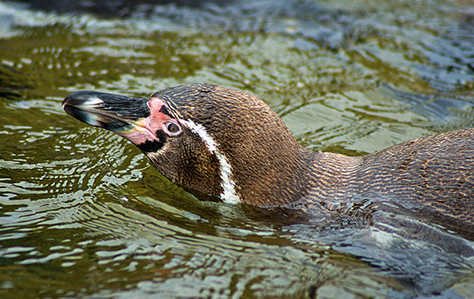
172	129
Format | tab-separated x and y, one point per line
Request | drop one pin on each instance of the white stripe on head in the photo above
228	195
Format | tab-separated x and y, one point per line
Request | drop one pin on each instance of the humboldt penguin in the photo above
229	145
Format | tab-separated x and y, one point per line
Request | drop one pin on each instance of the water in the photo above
83	214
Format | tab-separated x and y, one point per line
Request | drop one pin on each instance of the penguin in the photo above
228	145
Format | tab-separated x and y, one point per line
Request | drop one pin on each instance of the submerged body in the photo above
227	144
430	178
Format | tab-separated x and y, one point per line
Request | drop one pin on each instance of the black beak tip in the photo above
109	111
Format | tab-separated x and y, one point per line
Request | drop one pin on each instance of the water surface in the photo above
83	214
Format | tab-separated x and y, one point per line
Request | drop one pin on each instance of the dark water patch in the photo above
443	110
11	82
109	8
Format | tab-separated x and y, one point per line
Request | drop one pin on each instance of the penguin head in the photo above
213	141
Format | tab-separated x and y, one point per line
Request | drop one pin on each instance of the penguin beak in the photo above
112	112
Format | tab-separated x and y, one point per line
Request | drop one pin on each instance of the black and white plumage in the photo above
230	145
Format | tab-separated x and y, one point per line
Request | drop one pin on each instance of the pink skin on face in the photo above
146	128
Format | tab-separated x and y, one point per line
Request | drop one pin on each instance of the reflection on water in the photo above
82	213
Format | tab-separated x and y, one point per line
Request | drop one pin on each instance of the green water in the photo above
82	214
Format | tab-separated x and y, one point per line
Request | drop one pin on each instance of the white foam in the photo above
228	195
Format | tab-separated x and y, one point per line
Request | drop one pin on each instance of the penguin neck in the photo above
297	178
273	177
